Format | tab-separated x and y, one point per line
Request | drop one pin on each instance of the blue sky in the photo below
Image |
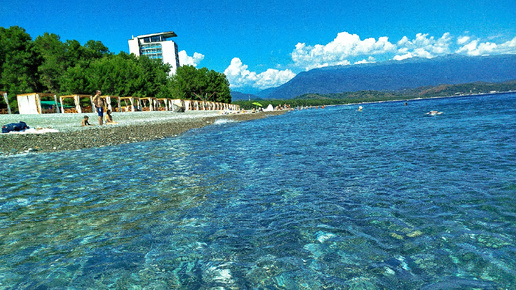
262	44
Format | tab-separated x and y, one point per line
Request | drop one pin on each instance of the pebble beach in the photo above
58	132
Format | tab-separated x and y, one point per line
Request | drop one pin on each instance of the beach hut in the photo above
148	103
189	105
195	105
177	105
130	103
7	110
77	98
110	100
163	104
37	103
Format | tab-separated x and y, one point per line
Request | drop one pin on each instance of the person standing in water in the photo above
99	106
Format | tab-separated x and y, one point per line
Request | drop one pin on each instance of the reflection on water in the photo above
387	197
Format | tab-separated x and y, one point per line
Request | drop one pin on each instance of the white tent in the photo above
269	108
27	104
31	103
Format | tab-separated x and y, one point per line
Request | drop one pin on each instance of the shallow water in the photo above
330	198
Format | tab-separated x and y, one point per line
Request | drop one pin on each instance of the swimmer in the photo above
433	113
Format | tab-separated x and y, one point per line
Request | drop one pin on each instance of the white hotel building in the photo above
156	46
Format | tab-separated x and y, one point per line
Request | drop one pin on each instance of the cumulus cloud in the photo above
404	56
368	60
475	47
348	49
194	60
239	75
423	45
463	39
337	52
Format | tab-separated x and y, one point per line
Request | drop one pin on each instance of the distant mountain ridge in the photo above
397	75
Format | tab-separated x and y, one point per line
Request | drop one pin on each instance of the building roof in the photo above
164	34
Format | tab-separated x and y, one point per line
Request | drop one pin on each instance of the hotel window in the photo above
153	50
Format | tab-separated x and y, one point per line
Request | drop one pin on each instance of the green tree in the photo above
95	49
219	85
47	64
203	84
186	83
18	63
75	81
152	77
113	74
54	65
74	53
80	77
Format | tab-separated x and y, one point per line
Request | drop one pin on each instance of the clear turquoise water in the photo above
335	198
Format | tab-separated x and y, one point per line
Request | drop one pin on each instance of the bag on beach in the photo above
21	126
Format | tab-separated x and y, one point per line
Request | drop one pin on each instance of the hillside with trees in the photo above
49	65
475	88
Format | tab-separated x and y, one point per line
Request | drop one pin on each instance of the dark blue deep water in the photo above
316	199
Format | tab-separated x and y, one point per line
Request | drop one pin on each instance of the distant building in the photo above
156	46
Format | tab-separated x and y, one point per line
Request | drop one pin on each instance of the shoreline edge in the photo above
107	135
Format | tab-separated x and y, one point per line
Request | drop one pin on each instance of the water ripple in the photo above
333	198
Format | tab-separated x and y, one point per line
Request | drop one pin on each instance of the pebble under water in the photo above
387	197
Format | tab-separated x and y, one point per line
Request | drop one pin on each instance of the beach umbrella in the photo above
257	104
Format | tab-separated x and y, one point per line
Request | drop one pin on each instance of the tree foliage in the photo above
19	62
50	65
201	84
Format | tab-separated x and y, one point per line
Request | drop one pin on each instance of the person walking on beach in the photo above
99	106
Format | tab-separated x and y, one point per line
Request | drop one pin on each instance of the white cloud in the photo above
508	47
337	52
194	60
368	60
239	76
475	48
347	49
402	57
463	39
273	78
423	46
442	45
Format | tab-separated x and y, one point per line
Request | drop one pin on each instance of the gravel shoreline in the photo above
75	137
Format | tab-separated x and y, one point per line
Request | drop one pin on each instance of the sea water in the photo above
333	198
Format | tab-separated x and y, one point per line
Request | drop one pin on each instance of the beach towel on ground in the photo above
14	127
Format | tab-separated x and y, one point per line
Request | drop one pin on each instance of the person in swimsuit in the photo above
85	122
109	118
99	106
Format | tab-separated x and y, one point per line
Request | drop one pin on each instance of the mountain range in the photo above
394	76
